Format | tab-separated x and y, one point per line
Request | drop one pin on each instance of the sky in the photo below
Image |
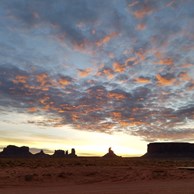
94	74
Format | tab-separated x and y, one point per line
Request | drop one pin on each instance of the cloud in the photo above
133	3
141	26
141	13
167	61
95	108
165	81
106	39
107	72
65	18
65	80
119	68
143	80
184	76
100	65
85	72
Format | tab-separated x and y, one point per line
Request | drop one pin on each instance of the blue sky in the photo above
72	71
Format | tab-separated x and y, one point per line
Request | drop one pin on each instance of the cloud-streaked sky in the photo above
88	72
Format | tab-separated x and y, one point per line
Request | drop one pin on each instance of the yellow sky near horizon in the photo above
86	143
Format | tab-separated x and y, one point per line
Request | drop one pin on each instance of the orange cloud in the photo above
32	109
142	80
167	61
20	79
44	100
85	72
42	78
75	117
136	123
118	67
44	82
64	82
140	14
163	81
184	76
106	72
141	27
67	107
124	123
157	54
116	114
116	95
50	107
106	39
134	110
141	55
130	59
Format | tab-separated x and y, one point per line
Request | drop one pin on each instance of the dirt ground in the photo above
96	176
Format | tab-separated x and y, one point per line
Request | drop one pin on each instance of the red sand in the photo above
142	187
95	176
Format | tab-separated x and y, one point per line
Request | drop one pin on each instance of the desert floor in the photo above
96	176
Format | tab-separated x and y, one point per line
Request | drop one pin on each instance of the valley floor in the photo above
96	176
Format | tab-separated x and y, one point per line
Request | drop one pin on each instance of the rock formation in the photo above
12	151
41	154
110	154
59	154
72	154
169	150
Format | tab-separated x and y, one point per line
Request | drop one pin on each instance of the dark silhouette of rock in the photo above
59	154
72	154
170	150
12	151
110	154
41	154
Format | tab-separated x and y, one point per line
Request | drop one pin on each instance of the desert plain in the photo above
95	175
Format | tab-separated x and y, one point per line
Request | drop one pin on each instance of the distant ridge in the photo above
170	150
41	154
110	154
12	151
